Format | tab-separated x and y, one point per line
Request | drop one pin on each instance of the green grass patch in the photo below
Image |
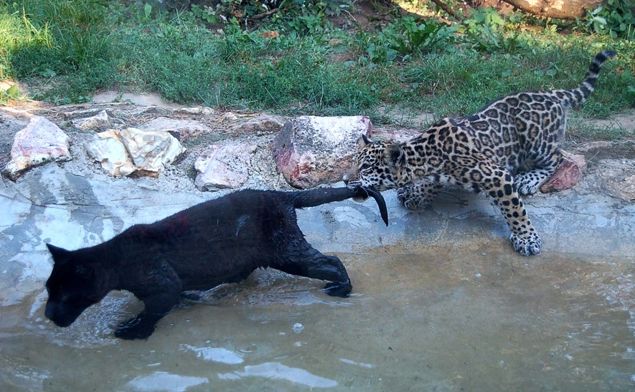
75	47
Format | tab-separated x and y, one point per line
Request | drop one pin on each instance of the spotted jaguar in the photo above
508	150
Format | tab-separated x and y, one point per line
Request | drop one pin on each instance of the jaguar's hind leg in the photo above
529	182
418	195
302	259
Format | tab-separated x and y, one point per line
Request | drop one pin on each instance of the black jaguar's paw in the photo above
192	296
134	328
338	289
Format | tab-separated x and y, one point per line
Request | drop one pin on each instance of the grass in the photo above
75	47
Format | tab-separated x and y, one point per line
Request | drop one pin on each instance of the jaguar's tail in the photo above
578	95
319	196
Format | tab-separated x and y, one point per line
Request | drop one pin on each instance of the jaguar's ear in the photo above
60	255
395	155
363	141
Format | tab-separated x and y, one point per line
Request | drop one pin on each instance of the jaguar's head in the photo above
377	165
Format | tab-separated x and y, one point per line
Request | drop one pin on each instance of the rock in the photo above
315	150
628	188
76	112
204	110
136	99
110	151
134	151
567	174
262	124
228	117
617	178
151	151
9	126
184	128
395	135
98	122
224	165
39	142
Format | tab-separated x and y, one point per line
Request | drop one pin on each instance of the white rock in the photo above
109	150
97	122
151	151
39	142
224	165
128	151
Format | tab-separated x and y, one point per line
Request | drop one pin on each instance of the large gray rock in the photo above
39	142
224	165
315	150
134	151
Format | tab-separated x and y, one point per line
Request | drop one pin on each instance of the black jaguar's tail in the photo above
319	196
581	93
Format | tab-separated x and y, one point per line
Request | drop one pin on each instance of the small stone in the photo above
98	122
229	116
41	141
204	110
297	327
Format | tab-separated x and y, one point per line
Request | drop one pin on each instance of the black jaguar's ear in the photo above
363	141
59	254
395	154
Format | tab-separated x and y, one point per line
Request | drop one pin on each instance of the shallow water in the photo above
473	317
440	300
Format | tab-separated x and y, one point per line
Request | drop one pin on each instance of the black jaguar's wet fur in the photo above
215	242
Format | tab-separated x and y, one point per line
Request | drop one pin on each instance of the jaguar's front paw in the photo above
527	184
408	200
526	245
135	328
413	204
338	289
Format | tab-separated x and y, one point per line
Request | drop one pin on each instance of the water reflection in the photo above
215	354
162	381
474	317
278	371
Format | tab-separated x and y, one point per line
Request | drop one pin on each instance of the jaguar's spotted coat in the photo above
507	149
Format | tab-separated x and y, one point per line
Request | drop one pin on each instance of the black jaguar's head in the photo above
72	287
376	165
